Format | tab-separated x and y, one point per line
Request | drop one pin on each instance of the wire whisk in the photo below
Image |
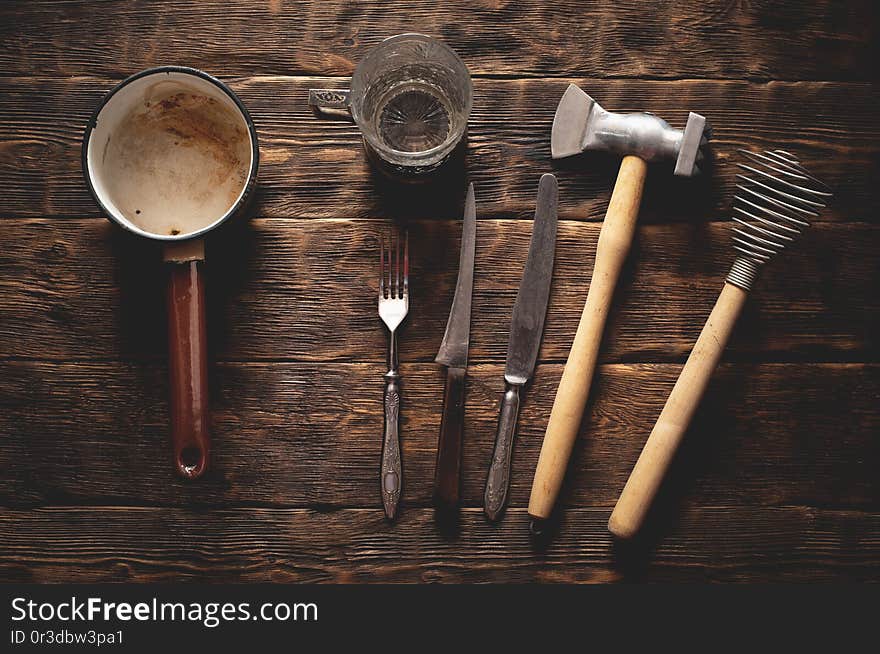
775	199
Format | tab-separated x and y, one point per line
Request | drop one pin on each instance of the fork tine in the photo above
406	264
390	289
397	285
381	265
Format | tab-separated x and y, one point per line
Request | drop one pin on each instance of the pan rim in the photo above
252	172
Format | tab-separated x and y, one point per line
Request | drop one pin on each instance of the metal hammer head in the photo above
581	124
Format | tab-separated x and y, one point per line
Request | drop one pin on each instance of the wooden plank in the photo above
350	546
306	290
785	40
315	167
310	435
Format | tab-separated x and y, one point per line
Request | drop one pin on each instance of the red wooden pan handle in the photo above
188	365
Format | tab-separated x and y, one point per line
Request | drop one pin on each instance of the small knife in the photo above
526	329
453	354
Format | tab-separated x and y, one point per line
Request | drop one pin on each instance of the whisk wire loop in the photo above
775	196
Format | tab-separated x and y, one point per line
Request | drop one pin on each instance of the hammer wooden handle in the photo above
659	450
615	240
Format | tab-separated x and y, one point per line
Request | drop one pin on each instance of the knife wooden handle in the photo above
615	240
448	467
660	448
498	480
188	358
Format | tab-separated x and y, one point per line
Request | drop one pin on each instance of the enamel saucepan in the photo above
170	154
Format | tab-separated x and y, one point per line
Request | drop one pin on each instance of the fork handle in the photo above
391	475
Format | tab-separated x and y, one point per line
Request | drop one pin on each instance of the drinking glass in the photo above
411	97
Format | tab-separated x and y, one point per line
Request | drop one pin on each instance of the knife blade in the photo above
454	347
526	330
453	354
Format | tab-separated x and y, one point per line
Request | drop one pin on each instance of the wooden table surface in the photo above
778	478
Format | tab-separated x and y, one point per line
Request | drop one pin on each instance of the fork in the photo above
393	307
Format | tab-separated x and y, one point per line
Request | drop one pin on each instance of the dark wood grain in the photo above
777	479
276	545
626	38
311	435
315	167
306	290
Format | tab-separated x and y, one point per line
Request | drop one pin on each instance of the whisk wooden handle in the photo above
660	448
615	240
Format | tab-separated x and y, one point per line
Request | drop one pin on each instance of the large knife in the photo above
526	329
453	354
